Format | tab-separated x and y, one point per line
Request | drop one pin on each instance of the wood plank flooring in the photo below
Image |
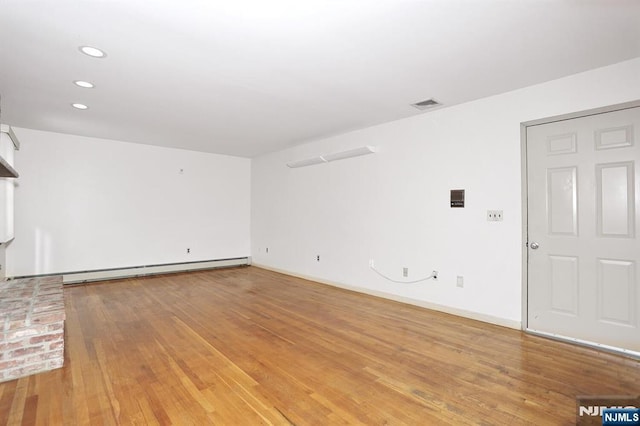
249	346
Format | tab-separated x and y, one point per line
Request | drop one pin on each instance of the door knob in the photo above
534	246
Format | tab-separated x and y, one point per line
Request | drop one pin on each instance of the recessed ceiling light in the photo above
85	84
80	106
92	51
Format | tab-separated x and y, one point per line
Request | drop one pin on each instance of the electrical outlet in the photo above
267	250
405	272
318	258
188	250
434	274
371	263
460	281
494	215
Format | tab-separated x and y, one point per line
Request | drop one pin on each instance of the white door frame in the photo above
525	207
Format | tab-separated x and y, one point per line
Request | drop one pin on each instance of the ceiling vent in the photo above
356	152
429	103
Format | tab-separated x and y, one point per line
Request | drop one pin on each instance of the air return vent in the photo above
429	103
306	162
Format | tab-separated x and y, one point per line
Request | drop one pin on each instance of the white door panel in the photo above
583	183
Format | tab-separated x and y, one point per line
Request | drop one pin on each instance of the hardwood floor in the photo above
249	346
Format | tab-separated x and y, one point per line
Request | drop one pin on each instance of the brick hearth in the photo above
31	326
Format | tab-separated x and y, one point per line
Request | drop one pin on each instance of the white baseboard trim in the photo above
593	345
112	274
517	325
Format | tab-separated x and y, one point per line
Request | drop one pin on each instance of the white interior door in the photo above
583	182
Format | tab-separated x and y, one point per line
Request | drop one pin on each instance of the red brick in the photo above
6	365
59	354
55	326
13	306
16	324
32	330
25	351
47	298
31	326
48	305
27	370
46	338
44	356
56	363
56	345
50	296
7	346
47	318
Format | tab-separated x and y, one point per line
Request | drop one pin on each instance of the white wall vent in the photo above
429	103
356	152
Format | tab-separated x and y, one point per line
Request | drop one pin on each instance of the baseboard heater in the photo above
136	271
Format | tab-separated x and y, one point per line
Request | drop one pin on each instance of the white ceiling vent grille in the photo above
429	103
356	152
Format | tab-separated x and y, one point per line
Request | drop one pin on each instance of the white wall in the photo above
84	203
393	206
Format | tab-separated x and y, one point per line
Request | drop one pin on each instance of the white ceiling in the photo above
246	77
